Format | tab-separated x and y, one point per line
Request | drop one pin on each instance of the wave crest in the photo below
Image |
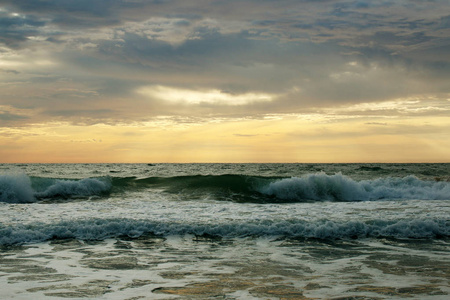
75	188
22	189
337	187
100	229
319	187
237	188
16	189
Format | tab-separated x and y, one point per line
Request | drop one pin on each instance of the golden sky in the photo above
224	81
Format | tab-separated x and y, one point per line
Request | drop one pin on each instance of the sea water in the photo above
227	231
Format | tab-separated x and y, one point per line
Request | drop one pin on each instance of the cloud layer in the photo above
126	61
308	53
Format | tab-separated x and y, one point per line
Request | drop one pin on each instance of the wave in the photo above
238	188
337	187
100	229
16	189
73	188
369	168
311	187
20	188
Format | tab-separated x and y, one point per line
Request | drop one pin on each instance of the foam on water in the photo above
231	231
16	189
75	188
239	188
323	187
20	188
100	229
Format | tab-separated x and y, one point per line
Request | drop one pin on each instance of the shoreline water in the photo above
249	268
225	231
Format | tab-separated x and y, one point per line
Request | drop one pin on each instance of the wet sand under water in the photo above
191	267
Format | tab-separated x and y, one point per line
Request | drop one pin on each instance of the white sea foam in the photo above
338	187
16	189
310	187
299	246
75	188
19	188
99	229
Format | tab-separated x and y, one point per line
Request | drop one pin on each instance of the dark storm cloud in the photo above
17	21
67	13
85	14
208	47
15	29
306	53
443	23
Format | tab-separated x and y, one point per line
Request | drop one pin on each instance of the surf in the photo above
338	187
101	229
313	187
20	188
308	188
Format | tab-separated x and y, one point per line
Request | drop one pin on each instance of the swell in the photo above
310	187
238	188
20	188
100	229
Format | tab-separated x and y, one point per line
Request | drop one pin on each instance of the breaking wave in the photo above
75	188
311	187
323	187
23	189
100	229
16	189
238	188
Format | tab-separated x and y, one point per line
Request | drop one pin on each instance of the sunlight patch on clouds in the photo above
26	60
212	96
402	105
44	62
10	59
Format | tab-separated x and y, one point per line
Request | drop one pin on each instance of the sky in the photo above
224	81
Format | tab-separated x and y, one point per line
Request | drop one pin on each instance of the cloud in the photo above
68	13
12	116
218	58
201	97
5	116
16	29
376	123
10	71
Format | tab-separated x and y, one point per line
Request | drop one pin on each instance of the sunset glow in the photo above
269	81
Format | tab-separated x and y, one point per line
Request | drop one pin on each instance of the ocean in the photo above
224	231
